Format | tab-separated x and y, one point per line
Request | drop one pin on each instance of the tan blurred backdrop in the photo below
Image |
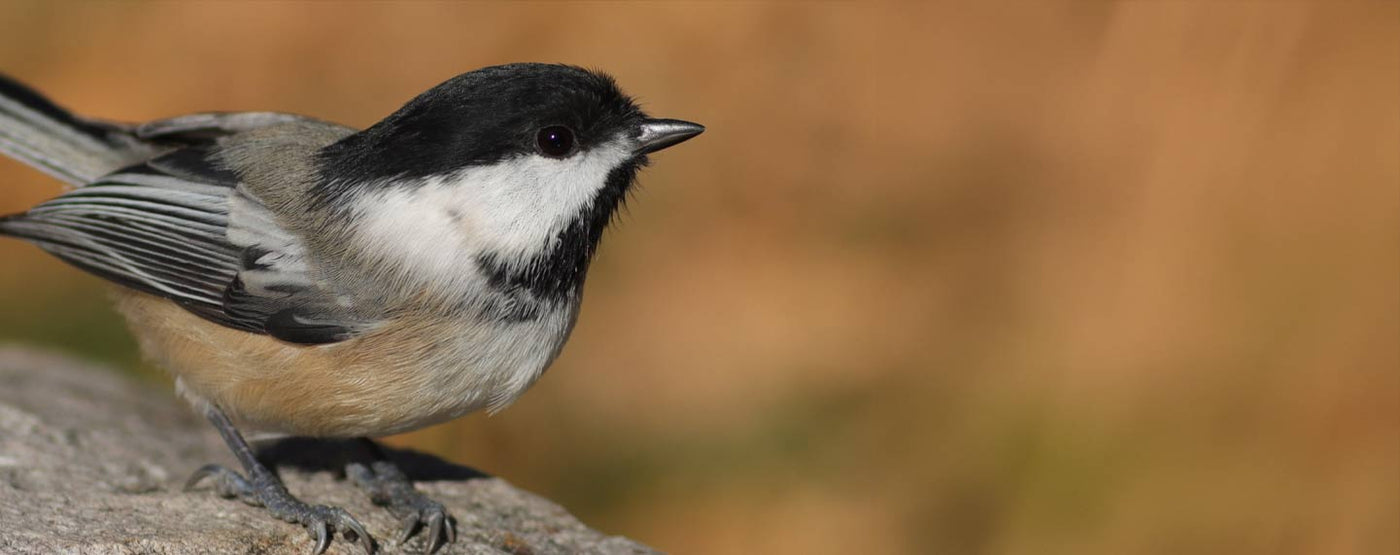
1044	278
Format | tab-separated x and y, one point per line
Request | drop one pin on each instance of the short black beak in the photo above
656	134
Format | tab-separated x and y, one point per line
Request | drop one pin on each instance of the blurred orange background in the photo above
1053	278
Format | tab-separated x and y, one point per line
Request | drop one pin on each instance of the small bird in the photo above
305	278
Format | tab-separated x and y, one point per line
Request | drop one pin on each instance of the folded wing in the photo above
178	226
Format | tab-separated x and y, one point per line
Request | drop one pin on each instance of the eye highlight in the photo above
555	141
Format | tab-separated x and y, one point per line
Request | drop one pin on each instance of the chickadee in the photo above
305	278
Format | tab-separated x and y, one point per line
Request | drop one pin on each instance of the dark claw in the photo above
388	486
321	522
323	538
407	527
199	475
353	531
435	535
227	483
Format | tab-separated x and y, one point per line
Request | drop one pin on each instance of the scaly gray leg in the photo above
262	488
388	486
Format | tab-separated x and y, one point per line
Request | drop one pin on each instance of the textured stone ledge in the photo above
93	463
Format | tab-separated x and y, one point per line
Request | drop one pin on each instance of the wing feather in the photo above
180	227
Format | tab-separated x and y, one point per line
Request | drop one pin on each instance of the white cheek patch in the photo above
520	205
406	229
515	209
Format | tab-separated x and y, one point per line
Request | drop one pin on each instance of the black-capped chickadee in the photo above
302	277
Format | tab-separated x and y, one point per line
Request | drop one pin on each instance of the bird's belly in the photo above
406	375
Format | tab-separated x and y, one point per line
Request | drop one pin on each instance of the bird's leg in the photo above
390	487
259	486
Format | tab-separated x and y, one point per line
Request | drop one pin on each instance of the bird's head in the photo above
517	167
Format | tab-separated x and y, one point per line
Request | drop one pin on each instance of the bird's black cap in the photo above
482	117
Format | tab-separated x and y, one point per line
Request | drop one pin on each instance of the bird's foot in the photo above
265	490
388	486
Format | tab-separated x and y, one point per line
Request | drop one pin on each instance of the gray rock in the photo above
93	463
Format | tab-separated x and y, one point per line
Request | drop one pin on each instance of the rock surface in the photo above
93	463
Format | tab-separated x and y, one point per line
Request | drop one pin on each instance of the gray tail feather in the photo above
77	150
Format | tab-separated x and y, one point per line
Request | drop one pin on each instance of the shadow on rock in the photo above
331	455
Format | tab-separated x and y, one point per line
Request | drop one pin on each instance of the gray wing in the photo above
179	226
209	125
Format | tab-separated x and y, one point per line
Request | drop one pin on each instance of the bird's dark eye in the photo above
555	141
